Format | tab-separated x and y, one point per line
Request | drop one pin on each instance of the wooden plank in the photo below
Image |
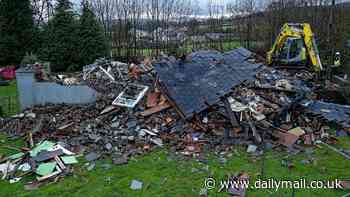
155	109
231	115
60	163
49	176
152	99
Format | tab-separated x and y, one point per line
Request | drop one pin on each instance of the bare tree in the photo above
246	9
105	11
42	10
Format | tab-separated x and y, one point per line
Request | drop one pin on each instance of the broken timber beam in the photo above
252	126
155	109
231	115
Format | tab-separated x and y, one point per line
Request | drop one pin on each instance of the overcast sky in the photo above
203	3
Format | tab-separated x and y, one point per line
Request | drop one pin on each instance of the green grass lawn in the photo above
8	98
187	48
165	174
10	90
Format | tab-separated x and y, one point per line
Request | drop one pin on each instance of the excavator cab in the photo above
293	52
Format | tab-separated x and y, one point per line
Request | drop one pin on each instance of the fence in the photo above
8	105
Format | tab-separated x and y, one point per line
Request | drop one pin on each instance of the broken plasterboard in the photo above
45	145
131	95
297	131
46	168
7	167
236	106
69	160
16	156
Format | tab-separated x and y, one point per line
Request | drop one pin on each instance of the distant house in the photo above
157	30
171	34
182	29
140	34
198	39
216	36
180	36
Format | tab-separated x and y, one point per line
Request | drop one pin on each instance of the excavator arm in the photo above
300	31
312	48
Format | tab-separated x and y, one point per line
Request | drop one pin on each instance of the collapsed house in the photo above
206	101
202	80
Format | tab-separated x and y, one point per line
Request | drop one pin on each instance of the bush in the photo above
69	43
29	58
92	40
61	42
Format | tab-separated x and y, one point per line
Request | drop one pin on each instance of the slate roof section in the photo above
339	114
204	78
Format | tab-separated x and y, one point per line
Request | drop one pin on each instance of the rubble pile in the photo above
102	74
207	102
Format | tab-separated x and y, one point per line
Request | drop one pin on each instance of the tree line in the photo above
122	19
55	33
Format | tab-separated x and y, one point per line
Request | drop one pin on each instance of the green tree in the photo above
16	30
92	40
61	34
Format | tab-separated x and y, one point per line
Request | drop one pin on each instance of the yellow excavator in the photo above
295	46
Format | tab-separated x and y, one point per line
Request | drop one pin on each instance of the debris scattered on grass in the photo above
44	160
136	185
232	100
